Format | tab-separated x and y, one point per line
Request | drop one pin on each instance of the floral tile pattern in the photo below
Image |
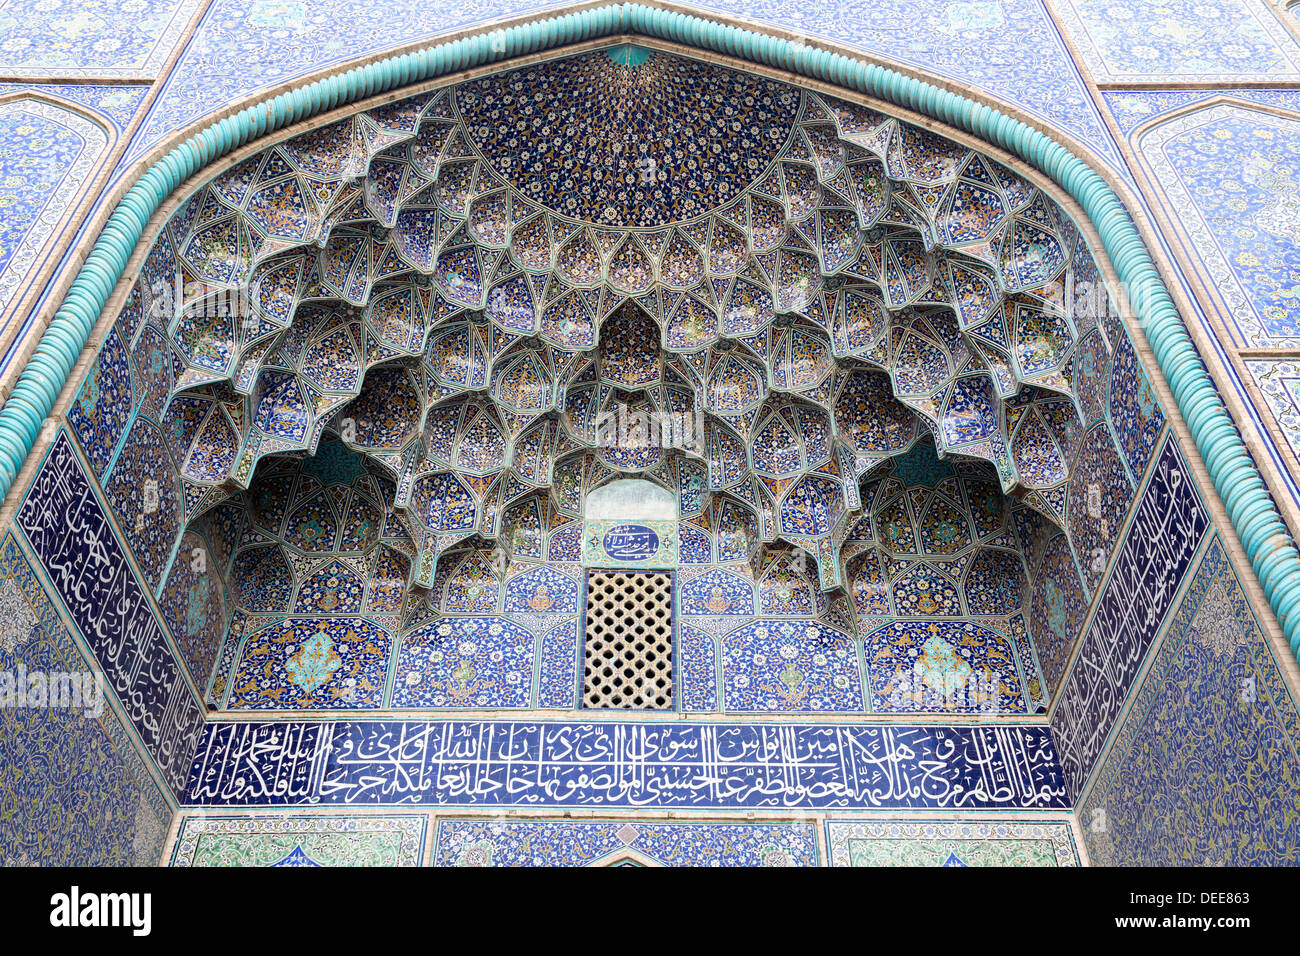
467	662
118	103
48	155
950	843
1183	39
1221	790
100	38
77	792
639	842
1229	174
1280	383
899	463
1009	48
194	604
1133	108
775	665
312	664
277	840
942	667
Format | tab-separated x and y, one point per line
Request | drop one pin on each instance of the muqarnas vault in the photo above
626	433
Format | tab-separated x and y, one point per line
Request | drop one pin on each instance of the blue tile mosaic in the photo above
102	409
118	104
380	436
1229	40
466	662
144	491
1135	414
77	793
1168	525
541	590
99	38
49	155
1279	385
950	843
195	606
1203	772
1009	49
558	678
623	842
71	536
716	591
1227	173
1133	108
697	662
308	663
460	428
918	667
778	665
625	764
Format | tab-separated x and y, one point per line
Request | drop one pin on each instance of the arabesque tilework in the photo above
1007	48
48	153
1229	174
334	456
1228	40
950	843
643	842
1204	769
99	38
77	790
268	840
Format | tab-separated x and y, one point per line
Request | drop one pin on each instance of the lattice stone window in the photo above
629	641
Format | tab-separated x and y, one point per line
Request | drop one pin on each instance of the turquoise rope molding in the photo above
1249	505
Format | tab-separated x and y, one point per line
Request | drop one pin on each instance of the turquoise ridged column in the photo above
1239	484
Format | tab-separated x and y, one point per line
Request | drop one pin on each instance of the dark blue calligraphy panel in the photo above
1168	527
661	765
631	542
74	541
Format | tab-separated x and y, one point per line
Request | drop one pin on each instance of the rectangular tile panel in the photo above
72	537
1168	527
624	764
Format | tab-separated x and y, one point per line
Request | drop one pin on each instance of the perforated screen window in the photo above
629	641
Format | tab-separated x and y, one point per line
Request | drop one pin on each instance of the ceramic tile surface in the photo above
68	530
1229	175
91	38
645	842
1181	39
624	764
632	328
950	843
287	841
117	103
77	790
1008	48
1168	526
380	394
48	154
1220	791
1279	381
1134	108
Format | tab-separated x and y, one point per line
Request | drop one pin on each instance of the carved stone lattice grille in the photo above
629	641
